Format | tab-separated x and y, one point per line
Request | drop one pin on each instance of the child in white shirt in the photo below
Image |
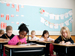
45	36
33	37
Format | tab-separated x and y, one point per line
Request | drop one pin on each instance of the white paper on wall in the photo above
22	6
46	14
12	15
62	16
12	22
51	26
46	23
67	22
70	13
52	16
56	26
17	22
71	20
56	17
66	15
61	25
22	15
17	15
42	20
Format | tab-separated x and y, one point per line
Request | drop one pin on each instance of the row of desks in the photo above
39	49
66	50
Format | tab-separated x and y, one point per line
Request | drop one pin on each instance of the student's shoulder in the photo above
3	35
50	38
13	35
59	37
41	38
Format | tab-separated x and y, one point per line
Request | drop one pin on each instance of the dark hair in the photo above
44	32
23	27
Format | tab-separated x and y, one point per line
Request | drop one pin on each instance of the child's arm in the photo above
58	40
13	41
3	36
71	40
37	38
50	39
25	42
41	39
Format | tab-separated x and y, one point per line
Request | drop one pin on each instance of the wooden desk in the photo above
43	42
2	42
67	50
32	41
47	50
26	50
36	41
47	43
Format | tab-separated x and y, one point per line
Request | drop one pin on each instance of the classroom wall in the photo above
69	4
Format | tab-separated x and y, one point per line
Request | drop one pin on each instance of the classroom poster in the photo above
35	17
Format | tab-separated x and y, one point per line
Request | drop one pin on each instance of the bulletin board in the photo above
37	18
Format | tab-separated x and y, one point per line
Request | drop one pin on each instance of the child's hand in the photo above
8	39
52	41
23	43
19	43
46	40
67	43
62	42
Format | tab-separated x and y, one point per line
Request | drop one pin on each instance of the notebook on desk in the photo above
28	44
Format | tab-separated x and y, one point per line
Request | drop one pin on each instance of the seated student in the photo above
20	39
45	36
8	35
1	33
33	37
65	36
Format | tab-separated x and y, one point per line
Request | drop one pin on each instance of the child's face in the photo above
46	35
33	34
64	33
9	33
22	34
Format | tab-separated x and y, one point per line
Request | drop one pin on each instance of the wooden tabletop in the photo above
44	41
70	45
33	40
18	46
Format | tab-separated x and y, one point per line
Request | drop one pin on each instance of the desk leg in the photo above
1	52
10	53
66	51
56	53
1	47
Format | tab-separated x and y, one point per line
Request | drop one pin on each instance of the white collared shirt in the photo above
49	39
34	38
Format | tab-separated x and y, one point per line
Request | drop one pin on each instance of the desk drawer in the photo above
28	50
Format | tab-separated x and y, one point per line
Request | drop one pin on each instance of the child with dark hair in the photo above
20	39
45	36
